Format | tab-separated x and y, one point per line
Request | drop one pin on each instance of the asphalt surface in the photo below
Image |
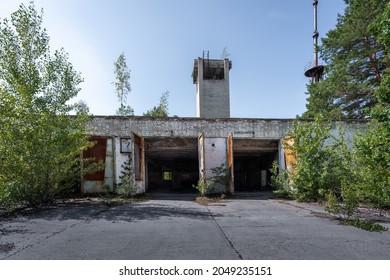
176	227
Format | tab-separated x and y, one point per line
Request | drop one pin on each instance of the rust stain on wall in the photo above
289	153
98	152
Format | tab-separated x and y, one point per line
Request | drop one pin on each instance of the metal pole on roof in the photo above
315	34
316	71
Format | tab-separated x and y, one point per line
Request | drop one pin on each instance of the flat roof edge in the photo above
216	119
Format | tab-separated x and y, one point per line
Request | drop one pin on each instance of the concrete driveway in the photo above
175	227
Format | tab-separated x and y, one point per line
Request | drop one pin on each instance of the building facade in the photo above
173	154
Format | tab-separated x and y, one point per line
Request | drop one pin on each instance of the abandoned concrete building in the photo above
172	154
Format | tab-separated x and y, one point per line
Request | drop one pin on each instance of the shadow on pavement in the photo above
159	205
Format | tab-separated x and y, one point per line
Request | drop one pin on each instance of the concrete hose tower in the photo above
211	77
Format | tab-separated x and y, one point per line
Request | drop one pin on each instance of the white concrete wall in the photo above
349	132
215	156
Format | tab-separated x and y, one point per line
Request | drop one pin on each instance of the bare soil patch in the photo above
212	201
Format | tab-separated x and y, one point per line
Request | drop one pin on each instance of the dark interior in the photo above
172	164
252	161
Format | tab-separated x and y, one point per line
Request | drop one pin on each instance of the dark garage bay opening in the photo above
172	164
252	161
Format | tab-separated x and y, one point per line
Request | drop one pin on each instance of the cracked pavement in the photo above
176	227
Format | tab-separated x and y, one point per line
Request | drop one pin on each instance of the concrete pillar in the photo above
199	88
281	161
215	156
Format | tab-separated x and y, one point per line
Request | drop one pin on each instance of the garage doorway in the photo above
172	164
252	161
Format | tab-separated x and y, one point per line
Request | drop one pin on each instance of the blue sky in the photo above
269	42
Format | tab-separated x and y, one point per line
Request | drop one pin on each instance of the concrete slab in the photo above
272	229
175	227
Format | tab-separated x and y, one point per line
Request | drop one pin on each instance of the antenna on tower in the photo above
315	72
206	61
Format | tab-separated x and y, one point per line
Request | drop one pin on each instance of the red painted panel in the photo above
98	151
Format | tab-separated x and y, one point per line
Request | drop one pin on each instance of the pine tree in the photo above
355	60
161	110
373	147
126	187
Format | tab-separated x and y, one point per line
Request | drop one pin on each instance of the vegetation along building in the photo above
173	154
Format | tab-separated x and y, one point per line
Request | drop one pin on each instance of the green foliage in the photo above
355	61
127	187
311	156
319	167
40	144
280	182
221	176
372	155
372	148
381	27
125	110
321	100
343	204
122	85
322	167
356	85
328	169
204	186
161	110
350	197
366	225
333	206
382	110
